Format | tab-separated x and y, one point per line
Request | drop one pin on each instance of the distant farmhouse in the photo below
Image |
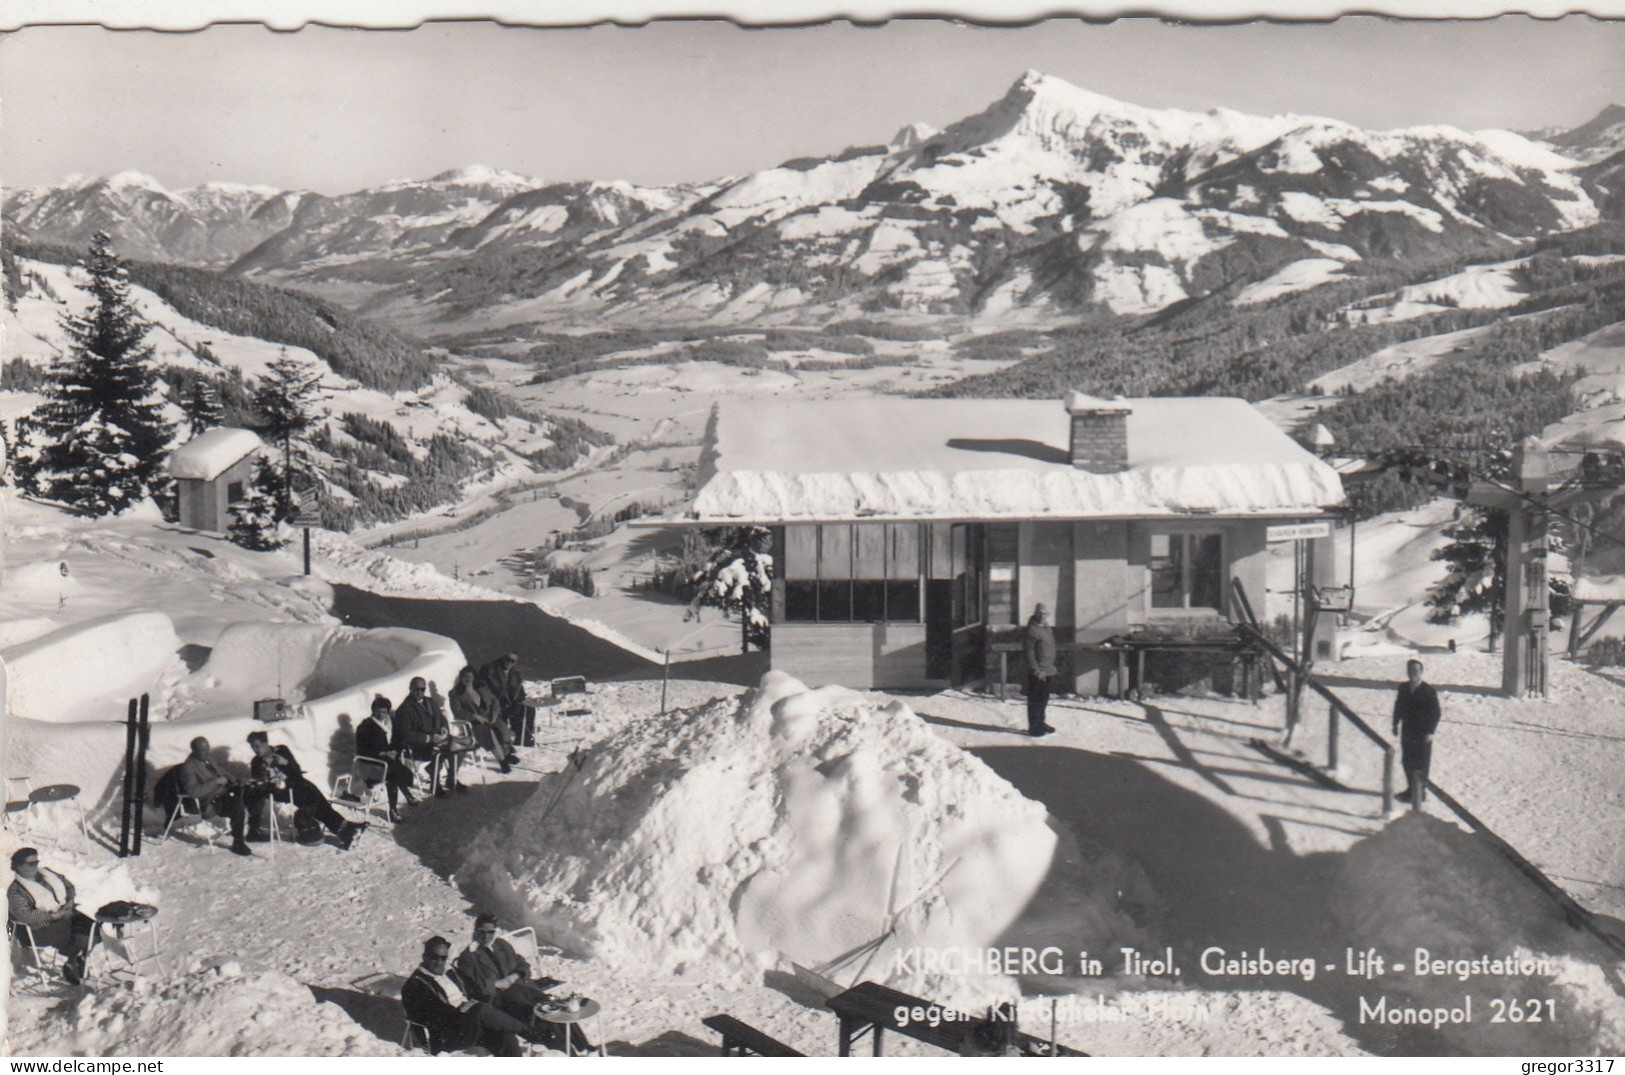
911	537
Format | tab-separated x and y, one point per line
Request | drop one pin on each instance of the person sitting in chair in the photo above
501	677
284	782
43	900
497	974
476	704
373	739
421	731
217	794
435	996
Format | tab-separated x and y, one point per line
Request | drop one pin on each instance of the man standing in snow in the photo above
437	996
285	782
1416	718
1038	647
495	973
43	900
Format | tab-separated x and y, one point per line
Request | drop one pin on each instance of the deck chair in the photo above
370	792
188	807
558	719
23	936
524	942
462	729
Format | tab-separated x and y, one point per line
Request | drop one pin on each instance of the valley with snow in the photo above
543	408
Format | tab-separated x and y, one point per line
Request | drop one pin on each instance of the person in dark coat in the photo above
437	996
43	900
497	974
373	739
1038	648
1416	718
501	677
421	731
472	702
285	781
218	795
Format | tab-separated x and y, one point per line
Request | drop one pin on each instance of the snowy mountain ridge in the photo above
1053	201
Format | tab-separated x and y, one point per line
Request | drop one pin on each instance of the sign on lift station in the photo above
1298	531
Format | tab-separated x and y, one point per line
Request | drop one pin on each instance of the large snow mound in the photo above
219	1011
781	826
89	670
1424	883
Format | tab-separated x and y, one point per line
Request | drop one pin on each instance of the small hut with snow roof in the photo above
212	471
912	537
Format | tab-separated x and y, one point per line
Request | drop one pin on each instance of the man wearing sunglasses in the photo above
43	900
497	974
436	996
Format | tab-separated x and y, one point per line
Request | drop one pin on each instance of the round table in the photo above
139	914
61	793
563	1016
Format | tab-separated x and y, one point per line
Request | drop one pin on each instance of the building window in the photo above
956	556
1187	571
852	573
234	492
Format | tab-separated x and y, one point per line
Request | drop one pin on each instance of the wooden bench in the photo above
741	1039
872	1008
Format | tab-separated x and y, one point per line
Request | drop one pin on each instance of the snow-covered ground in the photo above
1167	828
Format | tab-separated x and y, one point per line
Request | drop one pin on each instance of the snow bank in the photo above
1424	883
220	1011
328	674
780	826
88	671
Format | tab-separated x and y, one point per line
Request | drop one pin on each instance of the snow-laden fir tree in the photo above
286	400
101	435
202	407
1476	555
737	577
255	518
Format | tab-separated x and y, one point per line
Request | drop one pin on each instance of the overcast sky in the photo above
335	110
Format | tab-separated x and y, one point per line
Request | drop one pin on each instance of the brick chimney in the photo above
1099	441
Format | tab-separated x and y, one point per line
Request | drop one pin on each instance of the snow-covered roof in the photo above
777	461
212	452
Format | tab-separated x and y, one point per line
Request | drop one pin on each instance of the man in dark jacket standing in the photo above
1038	648
1416	718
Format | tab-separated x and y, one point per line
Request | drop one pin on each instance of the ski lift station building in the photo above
211	472
912	537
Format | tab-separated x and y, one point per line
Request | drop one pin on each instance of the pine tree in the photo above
202	407
102	436
738	578
286	401
254	518
1476	581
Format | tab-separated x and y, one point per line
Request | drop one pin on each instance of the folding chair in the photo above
24	936
570	693
462	729
15	805
569	702
524	942
373	774
189	806
415	1036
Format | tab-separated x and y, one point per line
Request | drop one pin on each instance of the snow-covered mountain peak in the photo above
911	136
131	181
480	175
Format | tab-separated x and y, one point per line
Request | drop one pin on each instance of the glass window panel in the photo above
1167	575
961	549
868	601
942	551
975	547
903	600
801	552
835	552
800	601
1207	571
903	551
870	559
834	602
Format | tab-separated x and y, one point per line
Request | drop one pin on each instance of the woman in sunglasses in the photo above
43	900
